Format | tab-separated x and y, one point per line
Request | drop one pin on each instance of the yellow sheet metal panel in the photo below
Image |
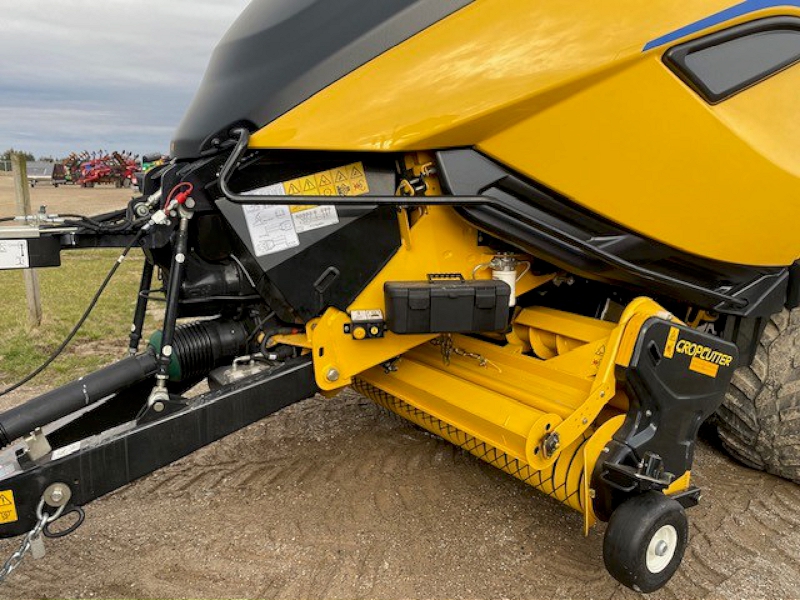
643	150
576	104
476	72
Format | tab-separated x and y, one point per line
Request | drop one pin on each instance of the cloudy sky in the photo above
110	74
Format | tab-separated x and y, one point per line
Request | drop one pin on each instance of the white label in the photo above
14	254
359	316
271	227
315	218
66	451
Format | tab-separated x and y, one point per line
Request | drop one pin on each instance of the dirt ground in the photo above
338	499
64	198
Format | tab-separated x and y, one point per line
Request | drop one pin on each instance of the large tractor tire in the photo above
759	422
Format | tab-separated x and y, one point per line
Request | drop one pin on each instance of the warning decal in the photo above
349	180
669	351
274	229
8	508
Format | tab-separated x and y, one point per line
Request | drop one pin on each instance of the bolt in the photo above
585	421
333	375
551	445
662	548
648	413
190	203
57	495
158	407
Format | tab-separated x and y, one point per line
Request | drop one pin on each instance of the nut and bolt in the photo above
57	495
551	444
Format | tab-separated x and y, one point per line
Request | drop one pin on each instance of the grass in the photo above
66	292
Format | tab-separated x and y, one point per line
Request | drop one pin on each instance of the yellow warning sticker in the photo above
8	508
349	180
704	367
672	340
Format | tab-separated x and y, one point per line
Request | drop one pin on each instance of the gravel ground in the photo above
338	499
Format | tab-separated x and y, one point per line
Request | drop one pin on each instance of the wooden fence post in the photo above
23	194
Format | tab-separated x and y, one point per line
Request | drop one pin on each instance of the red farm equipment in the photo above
116	168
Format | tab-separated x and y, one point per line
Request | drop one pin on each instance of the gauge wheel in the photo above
645	541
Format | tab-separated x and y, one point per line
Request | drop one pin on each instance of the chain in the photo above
30	538
445	342
448	348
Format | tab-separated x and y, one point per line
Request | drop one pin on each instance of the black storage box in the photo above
447	306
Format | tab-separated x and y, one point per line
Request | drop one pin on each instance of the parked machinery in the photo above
550	241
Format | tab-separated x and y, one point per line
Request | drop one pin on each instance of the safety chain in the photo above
445	342
32	542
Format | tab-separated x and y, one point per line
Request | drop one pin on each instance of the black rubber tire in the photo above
630	531
759	421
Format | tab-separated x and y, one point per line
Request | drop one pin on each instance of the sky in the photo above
103	74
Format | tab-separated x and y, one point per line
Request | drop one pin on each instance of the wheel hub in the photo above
661	549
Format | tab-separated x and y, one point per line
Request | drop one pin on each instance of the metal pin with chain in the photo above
33	541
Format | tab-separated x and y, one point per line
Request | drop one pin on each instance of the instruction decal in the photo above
274	229
8	508
271	227
14	254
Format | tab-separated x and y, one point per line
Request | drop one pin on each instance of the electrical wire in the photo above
183	184
58	351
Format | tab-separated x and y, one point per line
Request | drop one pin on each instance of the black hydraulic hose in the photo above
458	201
59	403
58	351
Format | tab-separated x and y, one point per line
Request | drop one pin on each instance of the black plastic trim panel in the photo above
279	53
678	58
677	379
555	229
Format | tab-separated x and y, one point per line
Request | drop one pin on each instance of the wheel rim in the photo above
661	549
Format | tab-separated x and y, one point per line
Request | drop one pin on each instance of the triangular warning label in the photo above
324	180
341	176
310	185
4	501
356	173
294	190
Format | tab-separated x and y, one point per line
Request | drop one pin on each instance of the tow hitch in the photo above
88	460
